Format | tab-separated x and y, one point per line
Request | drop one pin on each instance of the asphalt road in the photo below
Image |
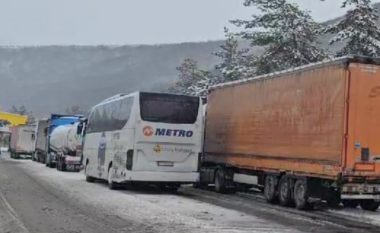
27	206
36	199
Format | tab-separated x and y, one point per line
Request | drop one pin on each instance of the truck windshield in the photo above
169	108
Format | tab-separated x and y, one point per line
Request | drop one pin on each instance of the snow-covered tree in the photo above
234	63
189	75
287	33
208	79
22	110
358	30
75	110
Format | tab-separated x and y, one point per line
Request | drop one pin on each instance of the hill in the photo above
50	78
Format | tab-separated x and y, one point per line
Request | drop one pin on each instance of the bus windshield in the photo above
169	108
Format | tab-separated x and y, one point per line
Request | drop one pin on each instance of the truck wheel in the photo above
369	205
111	184
220	181
350	203
300	197
285	191
63	166
270	189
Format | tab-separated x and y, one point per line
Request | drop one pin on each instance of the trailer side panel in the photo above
284	123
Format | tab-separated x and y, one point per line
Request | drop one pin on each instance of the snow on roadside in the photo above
359	214
3	149
172	212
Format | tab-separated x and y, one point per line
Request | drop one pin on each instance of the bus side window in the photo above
125	111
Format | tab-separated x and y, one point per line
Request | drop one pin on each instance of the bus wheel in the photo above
111	184
285	191
270	189
350	203
89	179
300	198
369	205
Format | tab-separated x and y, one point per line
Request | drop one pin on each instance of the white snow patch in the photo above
170	212
3	149
359	214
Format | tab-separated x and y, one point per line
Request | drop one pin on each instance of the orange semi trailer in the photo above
303	135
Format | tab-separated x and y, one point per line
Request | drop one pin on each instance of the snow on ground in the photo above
180	213
359	214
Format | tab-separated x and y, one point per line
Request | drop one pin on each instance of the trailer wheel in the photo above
63	166
369	205
58	165
285	191
270	189
220	181
300	198
350	203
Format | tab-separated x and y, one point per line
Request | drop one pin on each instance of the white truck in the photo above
40	142
68	147
22	141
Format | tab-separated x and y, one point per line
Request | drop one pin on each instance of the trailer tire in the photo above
63	166
300	198
369	205
270	189
285	192
220	181
350	203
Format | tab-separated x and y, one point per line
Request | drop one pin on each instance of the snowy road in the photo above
37	199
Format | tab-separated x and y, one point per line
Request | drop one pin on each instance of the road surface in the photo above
37	199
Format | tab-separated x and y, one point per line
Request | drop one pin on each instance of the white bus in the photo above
144	137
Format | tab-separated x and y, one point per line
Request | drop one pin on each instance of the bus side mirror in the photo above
79	129
46	131
33	137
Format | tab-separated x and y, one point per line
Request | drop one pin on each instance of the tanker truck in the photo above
68	147
55	121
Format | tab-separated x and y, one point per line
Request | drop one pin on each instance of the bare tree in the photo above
74	110
22	110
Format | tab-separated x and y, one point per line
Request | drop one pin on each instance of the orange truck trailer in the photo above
303	135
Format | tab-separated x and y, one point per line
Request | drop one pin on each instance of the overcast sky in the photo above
44	22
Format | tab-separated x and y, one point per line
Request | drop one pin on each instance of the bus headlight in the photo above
129	159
